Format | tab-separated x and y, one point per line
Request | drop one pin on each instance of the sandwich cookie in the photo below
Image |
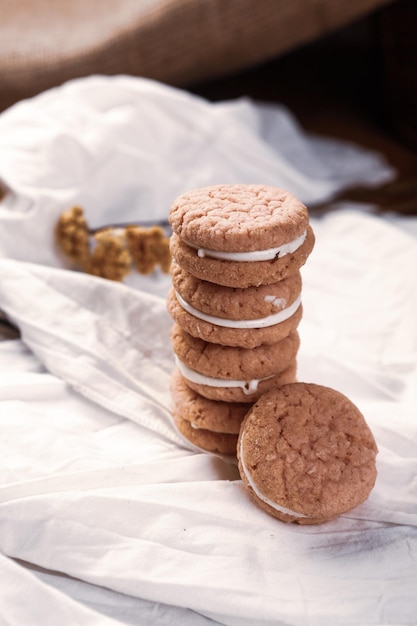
306	454
207	440
240	235
201	413
234	303
234	374
210	425
235	317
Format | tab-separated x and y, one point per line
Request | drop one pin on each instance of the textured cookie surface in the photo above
221	417
235	337
234	303
226	362
306	453
220	443
240	273
238	217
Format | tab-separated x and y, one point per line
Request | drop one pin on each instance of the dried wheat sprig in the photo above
111	251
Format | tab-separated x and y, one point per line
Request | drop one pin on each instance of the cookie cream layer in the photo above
255	255
263	322
248	386
274	505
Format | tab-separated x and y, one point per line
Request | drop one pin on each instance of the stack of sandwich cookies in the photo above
236	294
305	453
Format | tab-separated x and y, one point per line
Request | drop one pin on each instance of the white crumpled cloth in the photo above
107	516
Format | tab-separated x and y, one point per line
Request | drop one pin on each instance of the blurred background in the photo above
346	69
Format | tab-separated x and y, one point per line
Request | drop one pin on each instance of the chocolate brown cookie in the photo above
306	454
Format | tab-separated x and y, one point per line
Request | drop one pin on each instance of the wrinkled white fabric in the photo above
120	519
124	148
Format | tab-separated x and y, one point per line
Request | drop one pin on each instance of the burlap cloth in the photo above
46	42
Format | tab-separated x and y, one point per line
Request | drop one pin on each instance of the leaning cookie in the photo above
306	454
234	374
220	443
201	413
240	235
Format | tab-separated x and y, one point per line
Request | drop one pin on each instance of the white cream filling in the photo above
254	255
248	386
260	495
263	322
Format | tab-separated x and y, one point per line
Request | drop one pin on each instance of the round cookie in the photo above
240	273
227	362
211	389
230	366
220	417
239	217
207	440
306	454
234	374
234	303
245	337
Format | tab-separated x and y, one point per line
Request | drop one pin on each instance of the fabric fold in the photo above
122	520
112	364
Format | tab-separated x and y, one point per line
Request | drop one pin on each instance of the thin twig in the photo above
142	224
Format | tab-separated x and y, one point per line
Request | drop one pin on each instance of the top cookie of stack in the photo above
240	235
